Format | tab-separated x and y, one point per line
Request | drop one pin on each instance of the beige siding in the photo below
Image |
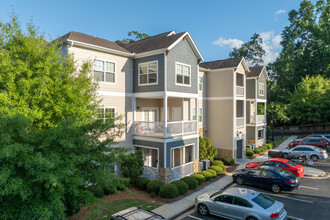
202	101
124	68
220	84
240	68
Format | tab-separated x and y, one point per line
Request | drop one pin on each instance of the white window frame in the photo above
200	84
182	84
151	148
261	89
148	84
193	114
263	134
109	61
182	156
200	114
105	107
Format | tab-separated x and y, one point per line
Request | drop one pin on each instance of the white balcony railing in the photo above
156	129
181	127
240	122
260	142
182	170
239	91
261	119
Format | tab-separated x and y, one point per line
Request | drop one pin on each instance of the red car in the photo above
279	162
314	141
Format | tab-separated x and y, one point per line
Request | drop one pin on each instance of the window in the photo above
107	114
261	89
241	202
182	155
255	172
268	173
226	199
263	201
150	156
268	163
148	73
104	71
200	83
194	114
200	115
188	153
183	73
261	134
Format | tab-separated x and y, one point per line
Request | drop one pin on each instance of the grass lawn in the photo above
104	210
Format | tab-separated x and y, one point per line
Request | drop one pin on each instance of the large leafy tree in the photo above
37	81
310	103
135	36
252	50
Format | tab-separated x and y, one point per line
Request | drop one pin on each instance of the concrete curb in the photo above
193	206
317	175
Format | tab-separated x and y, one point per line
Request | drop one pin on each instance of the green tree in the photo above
37	81
277	113
252	50
135	36
132	165
206	149
310	103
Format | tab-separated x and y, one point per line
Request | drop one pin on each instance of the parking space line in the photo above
307	187
195	217
301	200
294	218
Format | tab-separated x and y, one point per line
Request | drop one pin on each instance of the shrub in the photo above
191	181
217	163
153	186
207	175
249	153
213	172
182	186
228	161
142	182
169	191
132	165
257	151
269	146
206	149
96	190
217	169
200	178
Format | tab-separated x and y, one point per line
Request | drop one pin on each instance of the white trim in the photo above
149	53
181	94
104	72
154	148
234	114
262	100
240	98
120	94
183	154
221	70
148	109
261	85
216	98
148	84
172	32
182	84
200	77
177	41
149	94
165	140
104	107
145	138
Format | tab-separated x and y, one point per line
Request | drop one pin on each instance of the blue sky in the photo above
216	26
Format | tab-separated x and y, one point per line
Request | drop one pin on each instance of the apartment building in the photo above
256	101
153	83
225	105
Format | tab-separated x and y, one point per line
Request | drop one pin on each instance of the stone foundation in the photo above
196	162
164	174
201	132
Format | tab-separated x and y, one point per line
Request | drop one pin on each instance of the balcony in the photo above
261	119
156	129
239	122
182	171
239	91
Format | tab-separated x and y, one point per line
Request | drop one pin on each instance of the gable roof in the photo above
221	64
256	71
84	38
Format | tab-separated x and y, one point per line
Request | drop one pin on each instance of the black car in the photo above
273	178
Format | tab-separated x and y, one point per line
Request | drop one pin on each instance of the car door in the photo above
266	178
240	208
252	177
222	206
295	151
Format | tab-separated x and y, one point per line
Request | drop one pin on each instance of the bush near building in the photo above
182	186
169	191
213	172
217	169
191	181
142	183
200	178
153	186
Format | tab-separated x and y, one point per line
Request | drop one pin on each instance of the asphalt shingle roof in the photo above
219	64
254	71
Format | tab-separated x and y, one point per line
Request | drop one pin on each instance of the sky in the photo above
216	26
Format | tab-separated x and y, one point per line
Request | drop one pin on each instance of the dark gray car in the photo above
312	152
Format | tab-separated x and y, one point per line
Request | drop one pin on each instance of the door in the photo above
239	150
176	114
149	117
223	204
267	178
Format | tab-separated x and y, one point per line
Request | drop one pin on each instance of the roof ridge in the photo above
224	59
151	37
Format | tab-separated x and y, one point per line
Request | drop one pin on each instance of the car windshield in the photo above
216	194
291	163
285	173
263	201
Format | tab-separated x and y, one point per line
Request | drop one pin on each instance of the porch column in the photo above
165	116
133	114
197	114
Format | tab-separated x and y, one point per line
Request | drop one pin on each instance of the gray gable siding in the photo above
248	112
262	79
149	88
250	88
158	145
174	144
182	53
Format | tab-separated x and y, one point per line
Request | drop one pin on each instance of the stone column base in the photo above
164	174
196	163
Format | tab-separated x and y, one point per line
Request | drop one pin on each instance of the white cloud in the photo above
232	43
281	11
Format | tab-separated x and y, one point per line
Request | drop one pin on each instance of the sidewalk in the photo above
175	209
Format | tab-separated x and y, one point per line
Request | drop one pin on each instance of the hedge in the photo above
257	151
249	153
228	161
207	175
169	191
200	178
153	186
142	183
213	172
191	181
217	163
182	186
96	190
217	169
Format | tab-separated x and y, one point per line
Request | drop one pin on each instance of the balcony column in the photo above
197	115
165	116
133	114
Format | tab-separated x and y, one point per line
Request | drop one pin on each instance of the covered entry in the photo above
240	148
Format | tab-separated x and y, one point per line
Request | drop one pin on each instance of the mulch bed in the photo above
136	194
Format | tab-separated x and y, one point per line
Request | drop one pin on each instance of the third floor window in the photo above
261	89
183	74
148	73
104	71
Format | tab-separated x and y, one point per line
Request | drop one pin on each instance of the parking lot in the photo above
311	201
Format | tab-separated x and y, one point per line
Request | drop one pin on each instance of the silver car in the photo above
315	153
240	203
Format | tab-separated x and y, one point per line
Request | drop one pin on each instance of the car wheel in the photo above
276	188
314	158
239	180
251	218
203	210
